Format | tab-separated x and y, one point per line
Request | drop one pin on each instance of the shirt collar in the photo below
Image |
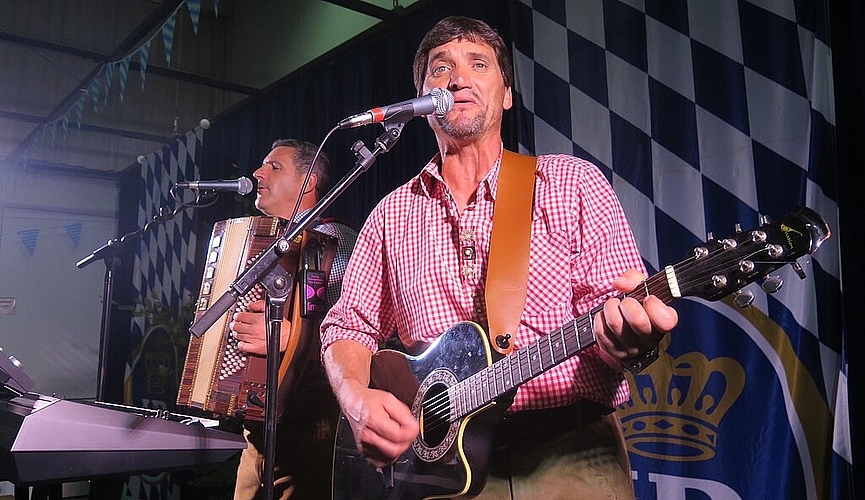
431	182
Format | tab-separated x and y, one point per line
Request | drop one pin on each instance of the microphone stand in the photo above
276	281
109	254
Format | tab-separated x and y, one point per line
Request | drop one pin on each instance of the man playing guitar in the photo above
420	266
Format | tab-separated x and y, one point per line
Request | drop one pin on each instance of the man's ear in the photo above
312	184
508	100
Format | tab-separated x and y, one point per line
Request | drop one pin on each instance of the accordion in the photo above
220	378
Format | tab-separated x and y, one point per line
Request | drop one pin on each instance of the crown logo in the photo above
676	406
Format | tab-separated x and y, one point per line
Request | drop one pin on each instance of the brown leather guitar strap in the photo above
510	241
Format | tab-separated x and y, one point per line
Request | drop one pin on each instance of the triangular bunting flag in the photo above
95	93
79	111
109	75
143	54
74	231
29	237
194	13
124	72
168	36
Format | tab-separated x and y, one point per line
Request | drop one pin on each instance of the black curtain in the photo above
848	59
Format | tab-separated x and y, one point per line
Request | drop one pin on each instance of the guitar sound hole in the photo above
435	415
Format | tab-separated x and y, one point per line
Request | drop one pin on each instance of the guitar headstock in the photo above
720	267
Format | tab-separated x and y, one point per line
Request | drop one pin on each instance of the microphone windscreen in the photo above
244	185
444	101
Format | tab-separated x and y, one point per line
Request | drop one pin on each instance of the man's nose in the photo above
459	78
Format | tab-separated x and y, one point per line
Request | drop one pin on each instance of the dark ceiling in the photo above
91	85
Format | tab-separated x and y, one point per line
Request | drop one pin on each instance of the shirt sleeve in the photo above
364	311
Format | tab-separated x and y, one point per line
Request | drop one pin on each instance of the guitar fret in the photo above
489	385
537	358
498	380
507	377
570	340
516	367
557	345
546	353
585	335
494	383
476	391
564	339
468	393
520	358
453	393
457	398
584	329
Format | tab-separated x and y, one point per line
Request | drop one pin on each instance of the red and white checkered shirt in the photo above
411	271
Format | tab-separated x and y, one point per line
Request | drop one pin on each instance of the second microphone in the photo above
241	185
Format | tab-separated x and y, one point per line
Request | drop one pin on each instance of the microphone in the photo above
438	101
241	185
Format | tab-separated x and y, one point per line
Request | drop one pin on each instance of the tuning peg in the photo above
799	271
772	284
765	220
743	298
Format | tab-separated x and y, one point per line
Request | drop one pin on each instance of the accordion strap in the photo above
302	336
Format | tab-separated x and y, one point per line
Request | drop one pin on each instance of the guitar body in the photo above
437	464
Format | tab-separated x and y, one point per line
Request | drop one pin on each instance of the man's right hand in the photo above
383	426
250	330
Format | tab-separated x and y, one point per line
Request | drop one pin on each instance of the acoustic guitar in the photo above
457	390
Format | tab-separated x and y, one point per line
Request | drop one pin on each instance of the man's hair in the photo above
464	28
304	152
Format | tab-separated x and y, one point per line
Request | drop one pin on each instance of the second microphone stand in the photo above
109	254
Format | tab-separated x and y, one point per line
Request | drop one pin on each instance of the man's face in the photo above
278	183
471	72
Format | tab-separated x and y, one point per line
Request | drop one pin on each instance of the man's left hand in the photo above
628	328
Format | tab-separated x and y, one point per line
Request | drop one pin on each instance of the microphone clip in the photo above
392	133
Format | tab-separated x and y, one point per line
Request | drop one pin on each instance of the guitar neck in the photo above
545	353
713	270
